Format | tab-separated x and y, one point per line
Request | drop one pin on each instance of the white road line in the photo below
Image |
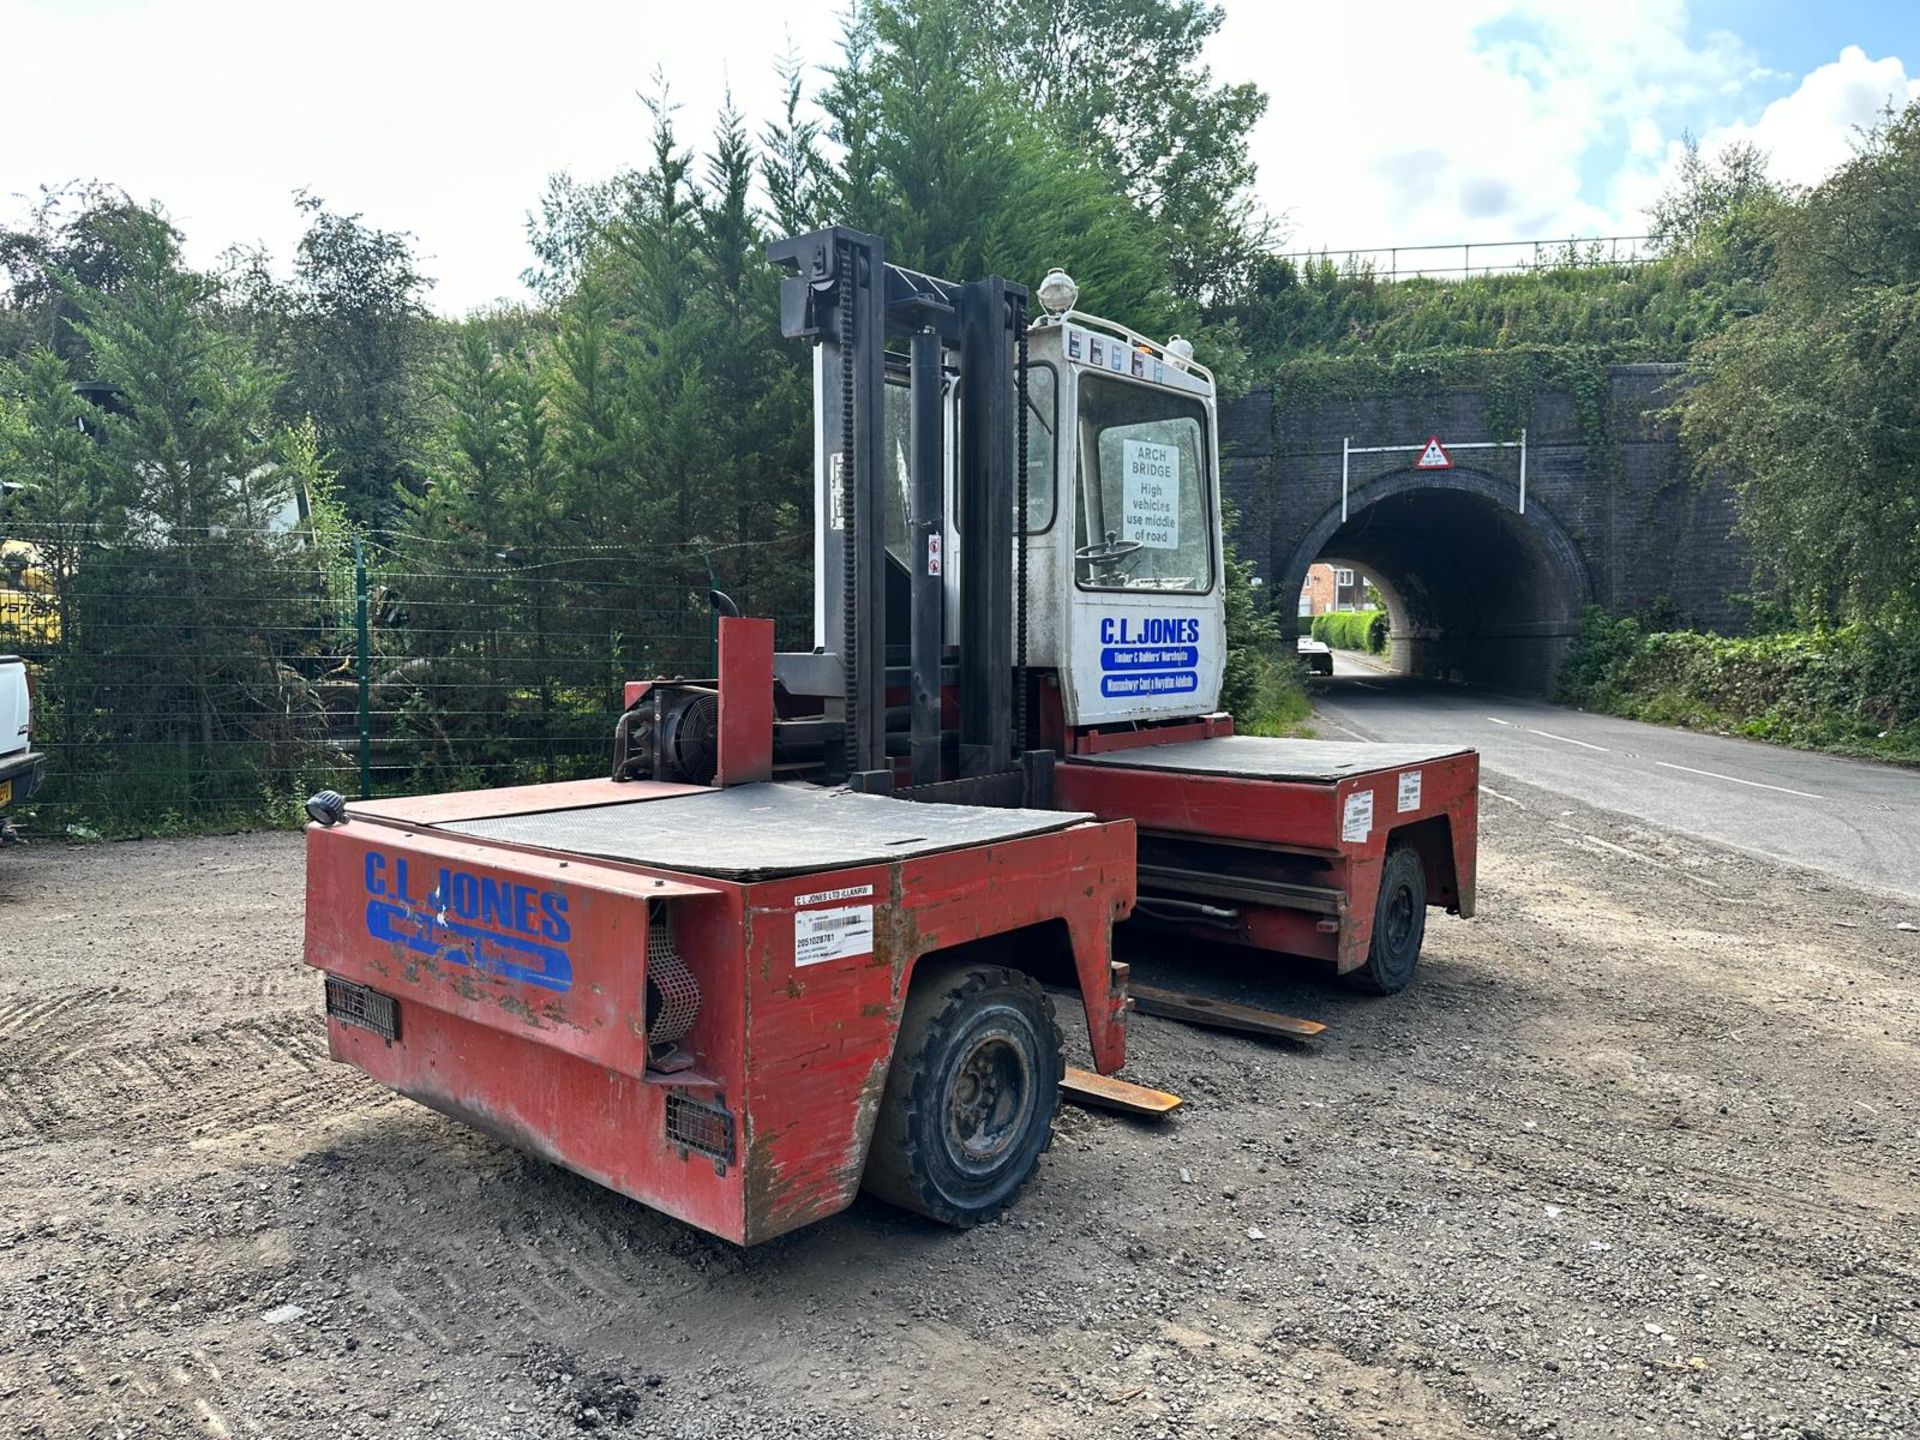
1365	686
1756	784
1498	721
1567	740
1486	789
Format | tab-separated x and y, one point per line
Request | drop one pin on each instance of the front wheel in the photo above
970	1099
1399	924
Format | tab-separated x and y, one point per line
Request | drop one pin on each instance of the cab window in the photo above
1142	521
1042	422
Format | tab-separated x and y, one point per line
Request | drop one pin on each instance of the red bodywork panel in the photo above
746	701
520	977
1137	737
1302	820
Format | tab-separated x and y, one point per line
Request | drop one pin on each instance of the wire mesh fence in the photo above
217	682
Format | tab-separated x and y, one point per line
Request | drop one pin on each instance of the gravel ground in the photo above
1637	1155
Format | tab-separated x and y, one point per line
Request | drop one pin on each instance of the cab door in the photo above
1146	618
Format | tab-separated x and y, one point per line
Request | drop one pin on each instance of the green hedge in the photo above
1353	630
1854	689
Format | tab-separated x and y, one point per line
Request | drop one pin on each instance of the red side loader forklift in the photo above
795	943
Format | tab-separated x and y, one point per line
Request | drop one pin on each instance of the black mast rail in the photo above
842	295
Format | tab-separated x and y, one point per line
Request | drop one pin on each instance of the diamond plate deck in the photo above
758	832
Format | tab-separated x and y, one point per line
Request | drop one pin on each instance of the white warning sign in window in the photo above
1433	456
1150	494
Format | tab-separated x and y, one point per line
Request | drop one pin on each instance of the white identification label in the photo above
836	934
1357	823
1409	790
1150	497
821	897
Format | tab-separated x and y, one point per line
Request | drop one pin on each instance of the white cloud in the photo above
1808	133
1506	119
443	117
1405	122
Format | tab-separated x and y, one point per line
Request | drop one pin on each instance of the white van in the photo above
21	767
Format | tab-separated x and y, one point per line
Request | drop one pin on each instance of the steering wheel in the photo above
1109	560
1108	552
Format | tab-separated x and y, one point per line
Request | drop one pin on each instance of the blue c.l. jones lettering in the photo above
498	926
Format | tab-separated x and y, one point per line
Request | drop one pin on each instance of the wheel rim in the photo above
1400	918
989	1100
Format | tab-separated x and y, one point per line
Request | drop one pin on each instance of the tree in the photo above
792	169
349	334
573	218
1707	194
1125	79
53	503
959	172
78	239
188	575
1812	406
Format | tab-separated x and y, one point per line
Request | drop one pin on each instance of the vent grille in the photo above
673	998
357	1005
699	1125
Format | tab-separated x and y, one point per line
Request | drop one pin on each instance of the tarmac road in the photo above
1849	818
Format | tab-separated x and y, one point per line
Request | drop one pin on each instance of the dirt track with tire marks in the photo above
1639	1153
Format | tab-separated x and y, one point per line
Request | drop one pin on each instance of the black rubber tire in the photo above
1399	925
968	1034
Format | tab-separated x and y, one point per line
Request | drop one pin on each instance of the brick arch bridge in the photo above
1476	590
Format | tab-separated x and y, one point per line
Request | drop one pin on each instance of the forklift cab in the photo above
1028	505
1123	524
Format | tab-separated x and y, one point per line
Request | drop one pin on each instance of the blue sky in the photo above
1399	122
1795	35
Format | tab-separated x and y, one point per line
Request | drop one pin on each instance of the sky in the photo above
1396	122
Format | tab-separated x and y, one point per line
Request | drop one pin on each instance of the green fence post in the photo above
363	664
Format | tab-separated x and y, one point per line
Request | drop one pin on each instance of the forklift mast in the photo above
861	313
1101	619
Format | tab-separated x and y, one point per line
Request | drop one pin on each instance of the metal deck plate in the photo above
757	832
1256	757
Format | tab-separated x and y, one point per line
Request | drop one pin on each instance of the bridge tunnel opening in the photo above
1475	591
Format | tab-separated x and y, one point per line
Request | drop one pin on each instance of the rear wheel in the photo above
970	1099
1399	924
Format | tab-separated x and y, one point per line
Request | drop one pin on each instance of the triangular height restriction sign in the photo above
1434	456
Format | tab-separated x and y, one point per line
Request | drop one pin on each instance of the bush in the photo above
1276	701
1854	689
1353	630
1265	693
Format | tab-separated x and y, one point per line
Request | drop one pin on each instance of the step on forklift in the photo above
795	943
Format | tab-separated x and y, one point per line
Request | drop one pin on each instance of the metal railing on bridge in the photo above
1483	257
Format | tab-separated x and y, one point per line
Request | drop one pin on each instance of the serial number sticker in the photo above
1409	791
1357	822
836	934
821	897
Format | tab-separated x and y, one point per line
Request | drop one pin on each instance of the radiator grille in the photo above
357	1005
699	1125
